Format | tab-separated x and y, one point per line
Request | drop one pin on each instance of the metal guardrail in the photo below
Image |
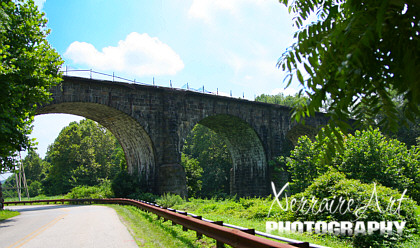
113	76
223	233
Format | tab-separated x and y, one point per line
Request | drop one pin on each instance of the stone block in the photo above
172	179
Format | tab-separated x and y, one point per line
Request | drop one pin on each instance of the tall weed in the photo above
91	192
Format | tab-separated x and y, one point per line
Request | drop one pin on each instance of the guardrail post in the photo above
249	231
301	245
199	235
173	210
218	243
183	227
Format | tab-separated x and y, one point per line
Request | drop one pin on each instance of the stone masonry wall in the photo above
152	123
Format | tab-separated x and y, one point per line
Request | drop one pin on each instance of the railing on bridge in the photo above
91	74
223	233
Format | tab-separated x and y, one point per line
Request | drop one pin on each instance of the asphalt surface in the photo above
64	226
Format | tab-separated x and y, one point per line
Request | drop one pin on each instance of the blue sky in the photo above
221	44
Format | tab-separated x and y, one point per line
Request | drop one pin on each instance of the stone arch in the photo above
299	130
249	173
136	143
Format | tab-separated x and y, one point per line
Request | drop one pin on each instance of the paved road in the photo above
64	226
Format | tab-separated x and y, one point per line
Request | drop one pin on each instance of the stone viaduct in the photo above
152	122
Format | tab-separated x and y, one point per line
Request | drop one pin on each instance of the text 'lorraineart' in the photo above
335	205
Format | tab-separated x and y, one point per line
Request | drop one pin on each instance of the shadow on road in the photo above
29	208
4	223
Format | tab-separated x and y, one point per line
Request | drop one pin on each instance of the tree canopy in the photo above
356	53
281	99
83	154
29	66
207	163
368	156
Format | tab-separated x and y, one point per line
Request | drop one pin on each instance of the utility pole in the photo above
1	198
21	179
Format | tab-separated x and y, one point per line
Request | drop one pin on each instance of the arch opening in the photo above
249	173
135	142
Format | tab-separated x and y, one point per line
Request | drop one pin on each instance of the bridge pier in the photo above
172	179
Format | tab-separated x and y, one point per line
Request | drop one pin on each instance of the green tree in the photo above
34	166
34	188
356	53
34	172
82	154
125	185
194	173
281	99
213	157
334	185
407	130
368	156
28	68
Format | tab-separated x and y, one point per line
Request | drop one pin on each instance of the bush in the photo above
193	172
306	162
149	197
124	185
91	192
368	156
169	200
35	188
335	184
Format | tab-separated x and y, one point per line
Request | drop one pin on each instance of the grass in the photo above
330	241
6	214
150	232
245	214
249	213
415	241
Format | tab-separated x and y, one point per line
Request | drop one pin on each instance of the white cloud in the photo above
206	9
40	3
138	54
